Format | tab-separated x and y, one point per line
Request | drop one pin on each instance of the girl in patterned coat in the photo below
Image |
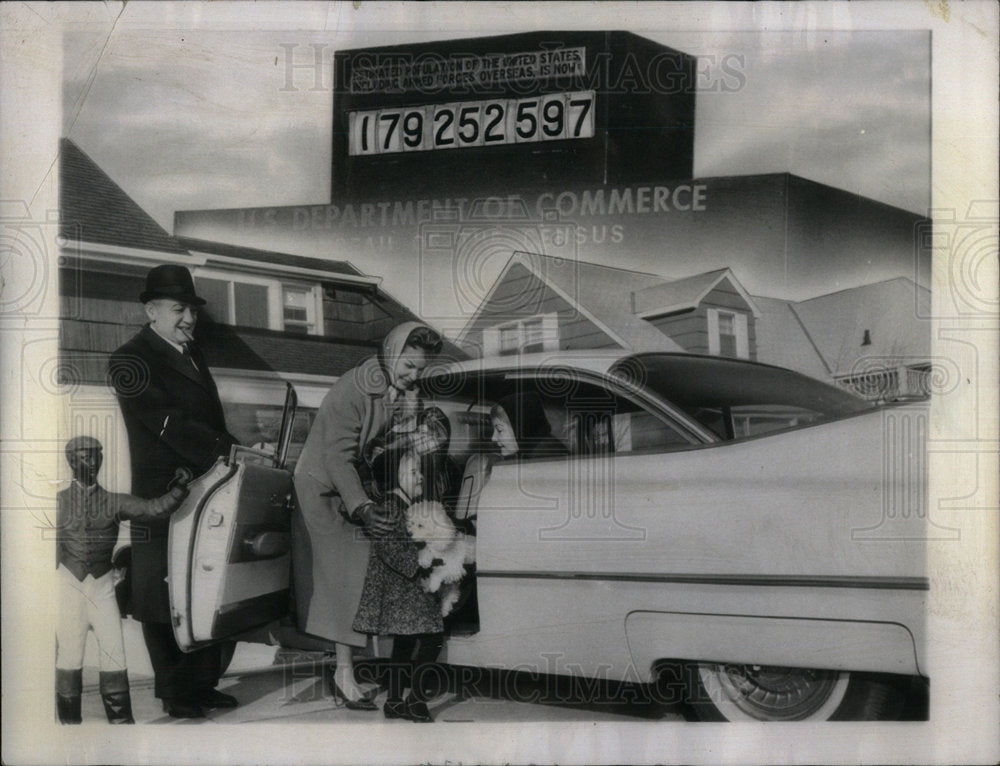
393	602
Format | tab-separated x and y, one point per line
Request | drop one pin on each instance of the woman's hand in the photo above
377	519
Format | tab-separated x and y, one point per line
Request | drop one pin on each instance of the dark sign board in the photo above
515	110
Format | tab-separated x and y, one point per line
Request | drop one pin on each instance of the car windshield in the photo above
737	399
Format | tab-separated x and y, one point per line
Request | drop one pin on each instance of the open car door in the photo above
229	550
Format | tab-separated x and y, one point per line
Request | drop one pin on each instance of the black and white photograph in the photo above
586	383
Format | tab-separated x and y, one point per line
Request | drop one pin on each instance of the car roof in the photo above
598	360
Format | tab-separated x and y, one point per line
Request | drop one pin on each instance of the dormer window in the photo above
727	334
299	309
238	301
245	300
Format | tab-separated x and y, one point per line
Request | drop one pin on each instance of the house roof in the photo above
245	349
782	339
895	312
599	293
270	257
821	336
93	208
684	294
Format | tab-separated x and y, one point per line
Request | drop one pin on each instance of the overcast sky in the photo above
190	119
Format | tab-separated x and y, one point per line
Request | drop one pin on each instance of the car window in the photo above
640	430
586	417
593	420
736	399
257	425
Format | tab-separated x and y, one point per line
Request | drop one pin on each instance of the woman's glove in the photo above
377	519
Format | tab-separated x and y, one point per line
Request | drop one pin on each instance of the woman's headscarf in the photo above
402	407
392	346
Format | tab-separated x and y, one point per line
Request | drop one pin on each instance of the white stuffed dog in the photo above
445	553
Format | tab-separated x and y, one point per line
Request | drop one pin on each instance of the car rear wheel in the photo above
771	693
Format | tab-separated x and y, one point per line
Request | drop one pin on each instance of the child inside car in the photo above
521	429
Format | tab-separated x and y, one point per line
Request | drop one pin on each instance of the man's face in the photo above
172	319
409	365
86	464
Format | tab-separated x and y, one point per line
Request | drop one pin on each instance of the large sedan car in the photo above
740	531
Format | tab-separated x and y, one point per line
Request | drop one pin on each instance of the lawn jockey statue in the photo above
88	517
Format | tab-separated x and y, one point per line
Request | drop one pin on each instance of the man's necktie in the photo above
187	355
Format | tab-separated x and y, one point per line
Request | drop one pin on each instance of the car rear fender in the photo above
882	647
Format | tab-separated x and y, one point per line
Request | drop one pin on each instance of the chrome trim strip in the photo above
793	581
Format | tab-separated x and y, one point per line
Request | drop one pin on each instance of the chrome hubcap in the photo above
777	693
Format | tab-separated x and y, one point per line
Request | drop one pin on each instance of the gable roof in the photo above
895	312
270	257
93	208
684	294
597	292
246	349
782	339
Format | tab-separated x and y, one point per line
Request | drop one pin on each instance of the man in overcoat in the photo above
174	419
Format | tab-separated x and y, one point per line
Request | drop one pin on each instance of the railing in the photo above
889	384
918	382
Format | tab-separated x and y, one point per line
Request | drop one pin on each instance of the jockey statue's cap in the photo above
82	442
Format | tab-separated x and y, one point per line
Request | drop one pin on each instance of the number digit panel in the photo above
414	137
495	123
362	132
580	122
526	121
552	117
469	130
458	125
443	127
388	131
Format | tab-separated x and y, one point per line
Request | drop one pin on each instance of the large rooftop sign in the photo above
477	115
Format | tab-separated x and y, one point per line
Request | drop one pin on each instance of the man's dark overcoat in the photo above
174	419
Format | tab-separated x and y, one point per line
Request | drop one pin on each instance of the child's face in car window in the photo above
503	435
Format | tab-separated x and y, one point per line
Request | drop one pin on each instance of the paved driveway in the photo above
293	690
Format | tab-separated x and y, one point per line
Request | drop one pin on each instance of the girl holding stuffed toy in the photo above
393	600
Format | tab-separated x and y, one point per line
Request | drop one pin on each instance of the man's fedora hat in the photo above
170	281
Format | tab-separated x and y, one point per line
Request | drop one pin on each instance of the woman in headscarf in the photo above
521	430
335	513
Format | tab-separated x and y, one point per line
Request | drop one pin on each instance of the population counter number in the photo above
550	117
